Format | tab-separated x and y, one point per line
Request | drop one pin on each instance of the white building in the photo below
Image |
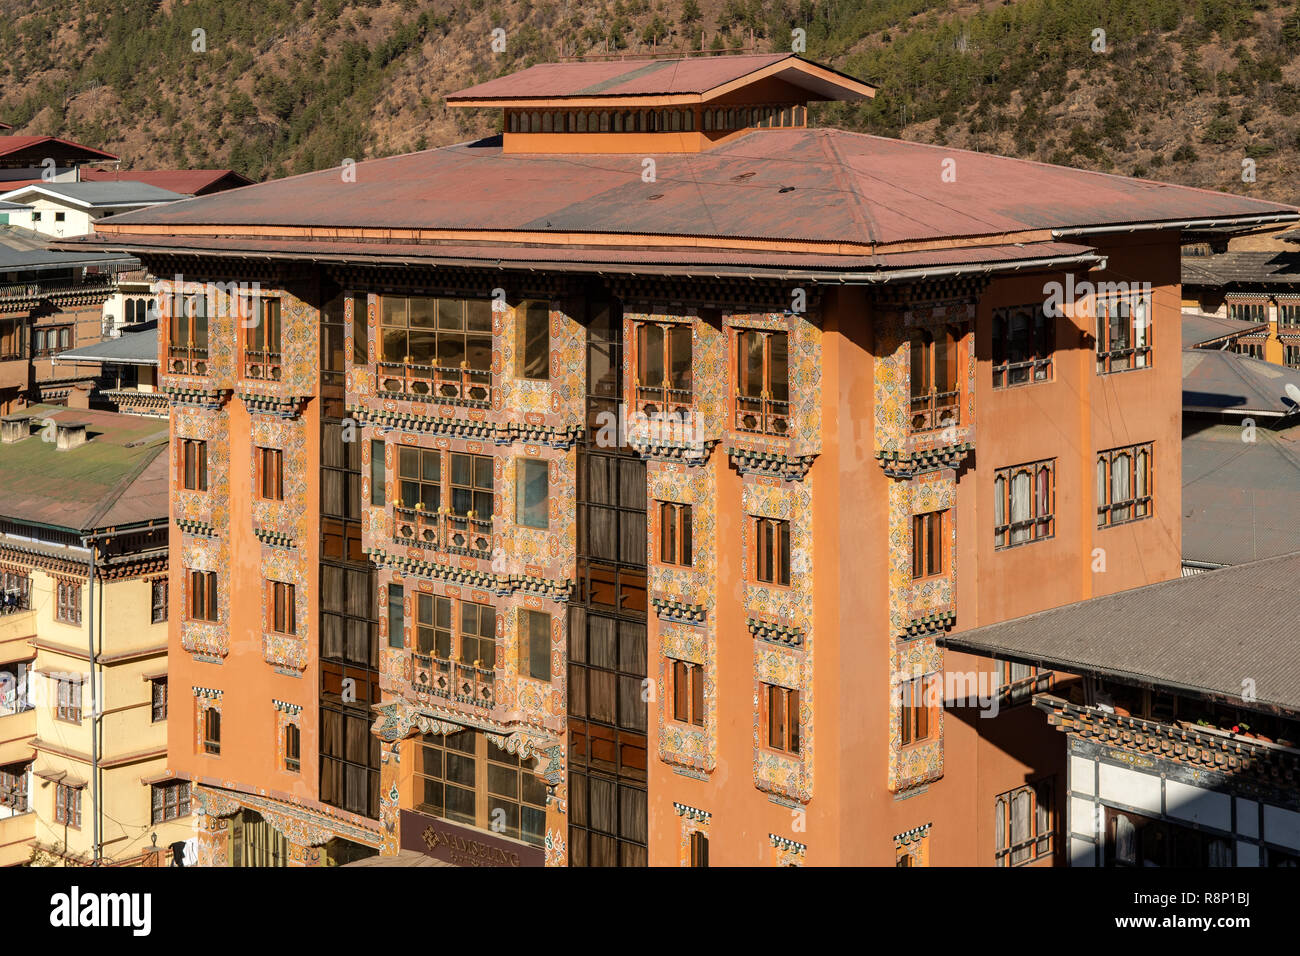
63	210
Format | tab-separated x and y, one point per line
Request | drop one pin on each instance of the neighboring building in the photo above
128	382
189	182
1183	731
1250	279
27	159
50	302
8	209
1241	460
83	559
63	210
711	636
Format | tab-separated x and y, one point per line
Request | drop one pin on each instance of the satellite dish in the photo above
1293	393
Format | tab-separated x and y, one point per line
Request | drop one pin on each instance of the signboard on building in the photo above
464	846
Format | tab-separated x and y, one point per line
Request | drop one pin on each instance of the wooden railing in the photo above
446	530
763	415
416	527
466	683
263	366
935	410
437	383
187	361
663	400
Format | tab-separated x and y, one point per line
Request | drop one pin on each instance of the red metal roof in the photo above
621	77
817	185
191	182
10	145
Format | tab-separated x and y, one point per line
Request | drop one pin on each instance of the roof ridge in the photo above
857	209
124	483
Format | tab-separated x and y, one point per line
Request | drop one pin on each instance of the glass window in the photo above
532	497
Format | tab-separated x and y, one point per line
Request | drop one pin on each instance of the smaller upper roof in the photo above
189	182
1215	381
678	80
53	147
98	195
1201	329
22	250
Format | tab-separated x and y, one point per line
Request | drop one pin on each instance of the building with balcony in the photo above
600	493
50	302
83	642
1182	731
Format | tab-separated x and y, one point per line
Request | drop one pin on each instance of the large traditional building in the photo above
623	471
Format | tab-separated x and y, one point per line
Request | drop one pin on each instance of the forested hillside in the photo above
1183	90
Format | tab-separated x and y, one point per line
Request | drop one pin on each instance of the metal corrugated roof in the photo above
1202	329
17	144
1241	499
117	193
1218	381
1205	633
76	488
806	184
190	182
1245	268
132	347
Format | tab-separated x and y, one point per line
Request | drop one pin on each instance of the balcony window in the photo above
437	349
1123	333
935	398
170	801
1023	824
262	339
13	788
1024	339
466	778
762	382
11	339
455	649
187	352
292	748
663	368
14	682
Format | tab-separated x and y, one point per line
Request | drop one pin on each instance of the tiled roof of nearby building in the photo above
119	476
682	76
119	193
1246	268
189	182
1200	329
1205	633
135	346
12	145
816	185
1241	499
1215	381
